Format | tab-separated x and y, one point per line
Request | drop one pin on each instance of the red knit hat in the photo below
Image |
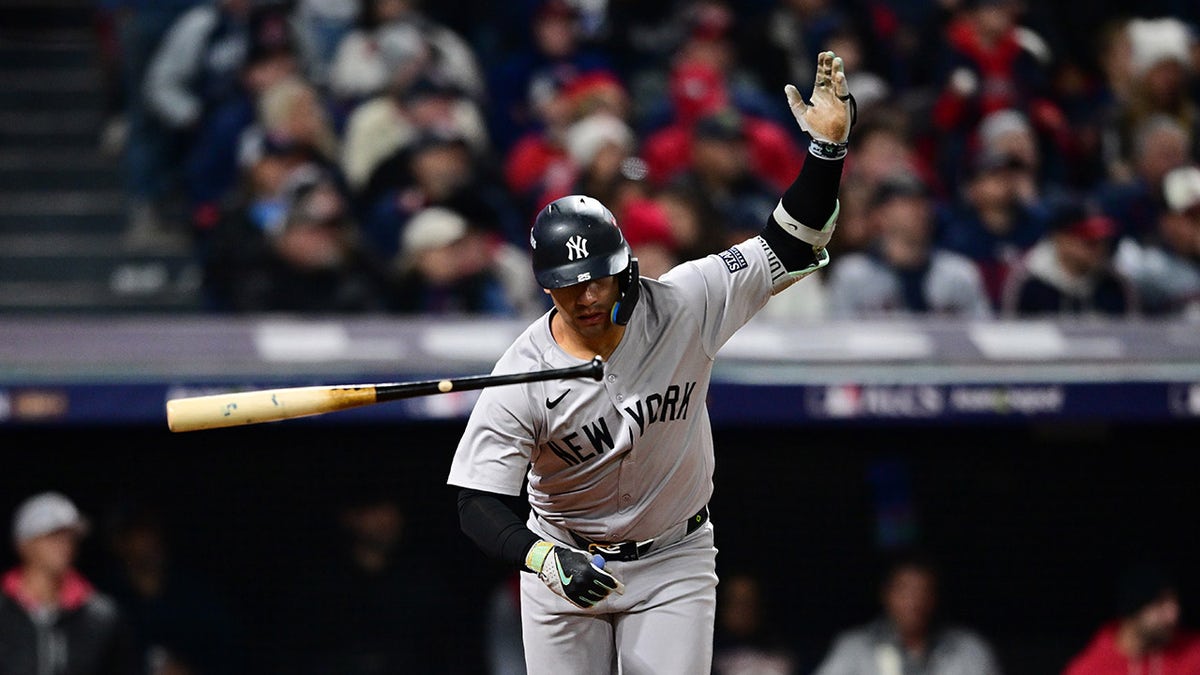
644	221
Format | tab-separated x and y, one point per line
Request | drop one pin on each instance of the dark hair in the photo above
908	558
898	185
1140	584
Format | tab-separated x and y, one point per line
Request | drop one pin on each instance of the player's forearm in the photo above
811	198
495	528
809	202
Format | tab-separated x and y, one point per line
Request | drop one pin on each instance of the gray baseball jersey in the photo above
629	456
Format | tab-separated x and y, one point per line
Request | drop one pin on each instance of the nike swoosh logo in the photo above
564	579
550	404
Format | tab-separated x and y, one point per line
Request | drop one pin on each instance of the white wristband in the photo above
818	239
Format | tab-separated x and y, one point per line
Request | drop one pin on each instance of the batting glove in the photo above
572	574
828	118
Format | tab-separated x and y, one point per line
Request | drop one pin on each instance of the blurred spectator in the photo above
1008	133
854	230
53	621
389	123
1162	74
1069	272
1166	268
990	62
437	169
292	245
376	57
288	112
582	116
745	641
1146	636
130	32
904	271
292	111
871	88
596	146
719	176
1092	97
911	635
181	623
447	266
885	146
394	42
538	158
991	222
780	45
647	229
695	234
392	46
197	67
1160	144
213	163
699	90
553	52
435	164
598	91
639	38
371	606
707	36
321	25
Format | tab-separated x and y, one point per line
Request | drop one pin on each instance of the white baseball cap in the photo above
1181	188
45	513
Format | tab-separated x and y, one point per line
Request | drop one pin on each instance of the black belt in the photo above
632	550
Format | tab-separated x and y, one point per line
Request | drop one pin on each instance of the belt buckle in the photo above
626	550
604	549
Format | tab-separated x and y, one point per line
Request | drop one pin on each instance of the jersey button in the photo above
620	397
612	378
626	498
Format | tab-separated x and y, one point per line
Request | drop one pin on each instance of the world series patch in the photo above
734	260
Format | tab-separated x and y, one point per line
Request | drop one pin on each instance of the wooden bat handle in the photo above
251	407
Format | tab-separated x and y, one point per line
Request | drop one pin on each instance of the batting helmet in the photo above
576	239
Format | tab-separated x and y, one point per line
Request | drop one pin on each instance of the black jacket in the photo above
88	639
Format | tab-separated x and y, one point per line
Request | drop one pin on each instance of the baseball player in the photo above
617	544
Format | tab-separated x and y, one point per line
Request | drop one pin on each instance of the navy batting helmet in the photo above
576	239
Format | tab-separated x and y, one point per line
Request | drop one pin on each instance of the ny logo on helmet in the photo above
577	248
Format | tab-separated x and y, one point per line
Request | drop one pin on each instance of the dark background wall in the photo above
1030	523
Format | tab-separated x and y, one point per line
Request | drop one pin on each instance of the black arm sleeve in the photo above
494	527
810	199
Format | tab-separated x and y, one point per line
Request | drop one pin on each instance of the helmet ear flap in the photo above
630	290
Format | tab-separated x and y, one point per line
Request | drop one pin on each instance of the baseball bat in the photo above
195	413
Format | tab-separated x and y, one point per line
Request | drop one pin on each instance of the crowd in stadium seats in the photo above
370	601
1010	159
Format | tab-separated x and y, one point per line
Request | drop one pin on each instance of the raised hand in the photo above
830	114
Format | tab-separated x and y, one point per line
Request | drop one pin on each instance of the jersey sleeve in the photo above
494	451
725	290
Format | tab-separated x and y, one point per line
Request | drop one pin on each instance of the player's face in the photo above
586	308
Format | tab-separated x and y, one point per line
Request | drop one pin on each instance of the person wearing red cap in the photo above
52	620
1070	272
647	228
698	89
